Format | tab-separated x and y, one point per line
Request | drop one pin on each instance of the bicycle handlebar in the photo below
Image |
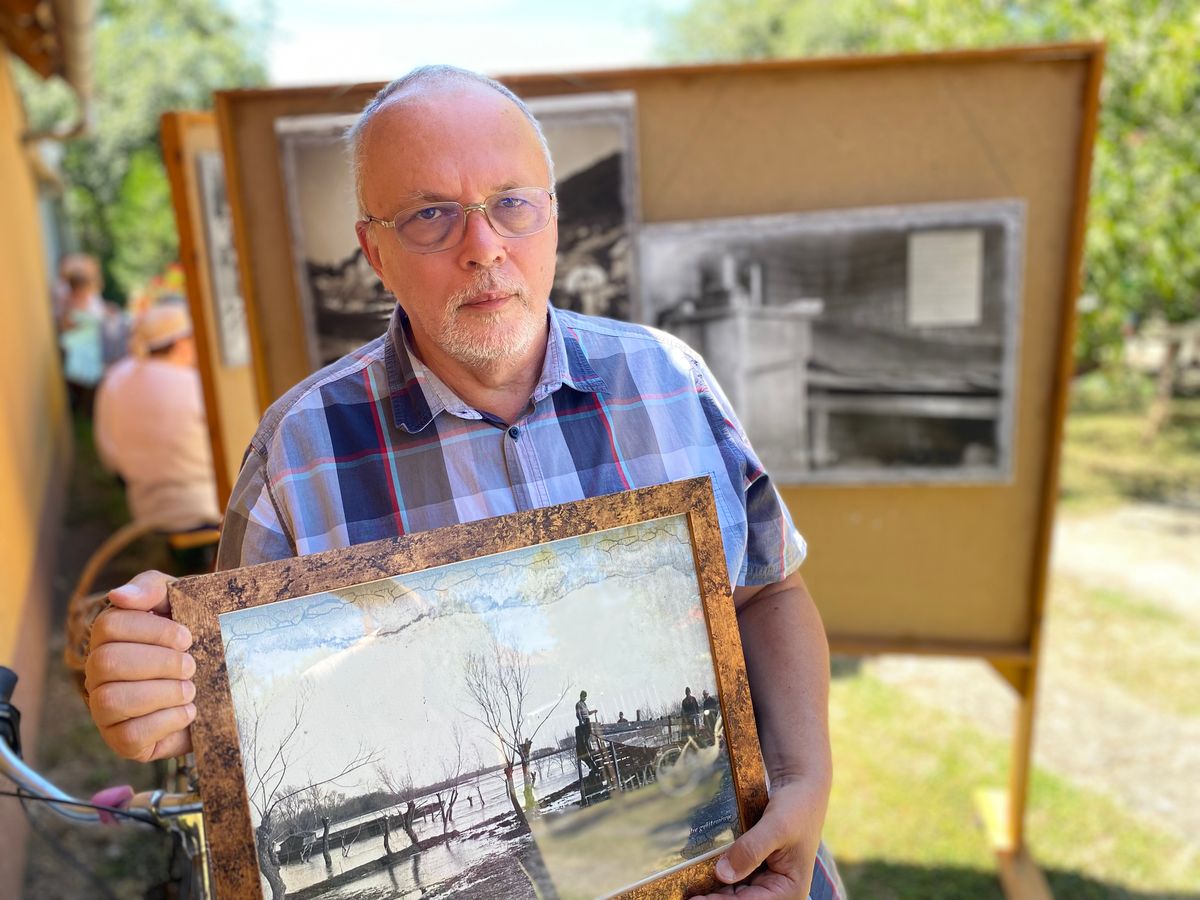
149	807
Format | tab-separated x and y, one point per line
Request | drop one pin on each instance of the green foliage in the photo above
1143	241
1111	389
150	56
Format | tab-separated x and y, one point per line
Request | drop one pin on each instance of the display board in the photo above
196	169
950	565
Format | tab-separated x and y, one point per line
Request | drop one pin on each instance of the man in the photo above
483	400
710	710
690	708
151	428
583	732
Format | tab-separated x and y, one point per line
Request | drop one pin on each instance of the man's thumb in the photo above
146	591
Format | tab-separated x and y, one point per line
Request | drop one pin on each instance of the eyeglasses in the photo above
431	227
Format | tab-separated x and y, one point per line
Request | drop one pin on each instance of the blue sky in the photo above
322	42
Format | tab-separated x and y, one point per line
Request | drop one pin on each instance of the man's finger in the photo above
119	701
748	852
155	736
146	591
135	662
135	627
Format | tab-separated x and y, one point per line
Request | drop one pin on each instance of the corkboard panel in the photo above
959	568
230	396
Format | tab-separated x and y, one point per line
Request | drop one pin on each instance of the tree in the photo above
1143	243
452	767
150	56
270	788
499	683
402	789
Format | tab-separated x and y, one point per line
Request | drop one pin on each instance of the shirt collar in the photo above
418	395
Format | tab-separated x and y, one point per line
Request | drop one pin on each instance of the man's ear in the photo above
369	248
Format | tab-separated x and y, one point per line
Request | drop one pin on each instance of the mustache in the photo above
488	282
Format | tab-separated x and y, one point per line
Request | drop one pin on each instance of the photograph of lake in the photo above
543	722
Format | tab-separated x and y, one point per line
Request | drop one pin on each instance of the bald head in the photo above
421	85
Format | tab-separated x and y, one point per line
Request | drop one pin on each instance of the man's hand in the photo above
785	838
787	664
138	673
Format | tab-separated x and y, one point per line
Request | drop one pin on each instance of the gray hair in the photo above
430	77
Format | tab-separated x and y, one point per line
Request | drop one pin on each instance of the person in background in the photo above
150	426
80	313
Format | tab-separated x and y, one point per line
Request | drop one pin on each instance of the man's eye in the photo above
429	214
511	203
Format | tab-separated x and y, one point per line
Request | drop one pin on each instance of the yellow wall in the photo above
34	444
33	423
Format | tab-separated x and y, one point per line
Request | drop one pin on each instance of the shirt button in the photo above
514	432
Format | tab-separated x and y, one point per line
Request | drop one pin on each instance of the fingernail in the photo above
183	638
129	591
190	711
189	665
725	870
189	691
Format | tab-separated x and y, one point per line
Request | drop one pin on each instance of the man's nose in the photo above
481	245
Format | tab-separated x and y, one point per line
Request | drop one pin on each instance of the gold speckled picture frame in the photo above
509	707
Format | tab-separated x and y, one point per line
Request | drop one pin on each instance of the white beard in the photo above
493	337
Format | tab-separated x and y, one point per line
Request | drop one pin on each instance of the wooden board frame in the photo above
953	566
953	569
199	601
230	399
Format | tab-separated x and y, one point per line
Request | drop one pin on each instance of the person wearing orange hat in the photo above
150	426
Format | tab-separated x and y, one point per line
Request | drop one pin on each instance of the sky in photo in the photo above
616	614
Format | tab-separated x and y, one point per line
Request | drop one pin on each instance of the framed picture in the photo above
861	345
230	309
547	704
592	140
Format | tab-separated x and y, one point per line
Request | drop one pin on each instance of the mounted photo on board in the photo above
545	704
593	143
229	307
863	345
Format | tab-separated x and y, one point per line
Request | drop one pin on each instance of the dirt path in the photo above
1088	730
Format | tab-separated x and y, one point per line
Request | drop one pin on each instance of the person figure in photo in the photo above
710	710
483	399
690	709
621	720
150	426
583	732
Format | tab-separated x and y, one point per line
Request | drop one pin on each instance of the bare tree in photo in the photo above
269	786
499	683
452	767
402	789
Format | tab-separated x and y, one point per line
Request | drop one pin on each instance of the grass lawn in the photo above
902	821
1106	460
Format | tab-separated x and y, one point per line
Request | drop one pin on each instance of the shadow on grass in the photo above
879	880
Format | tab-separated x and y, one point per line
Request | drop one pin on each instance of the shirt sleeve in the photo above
252	531
774	548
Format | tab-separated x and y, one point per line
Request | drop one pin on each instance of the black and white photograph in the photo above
873	345
229	307
593	143
541	722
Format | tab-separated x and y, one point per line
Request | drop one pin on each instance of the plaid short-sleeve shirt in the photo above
376	445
